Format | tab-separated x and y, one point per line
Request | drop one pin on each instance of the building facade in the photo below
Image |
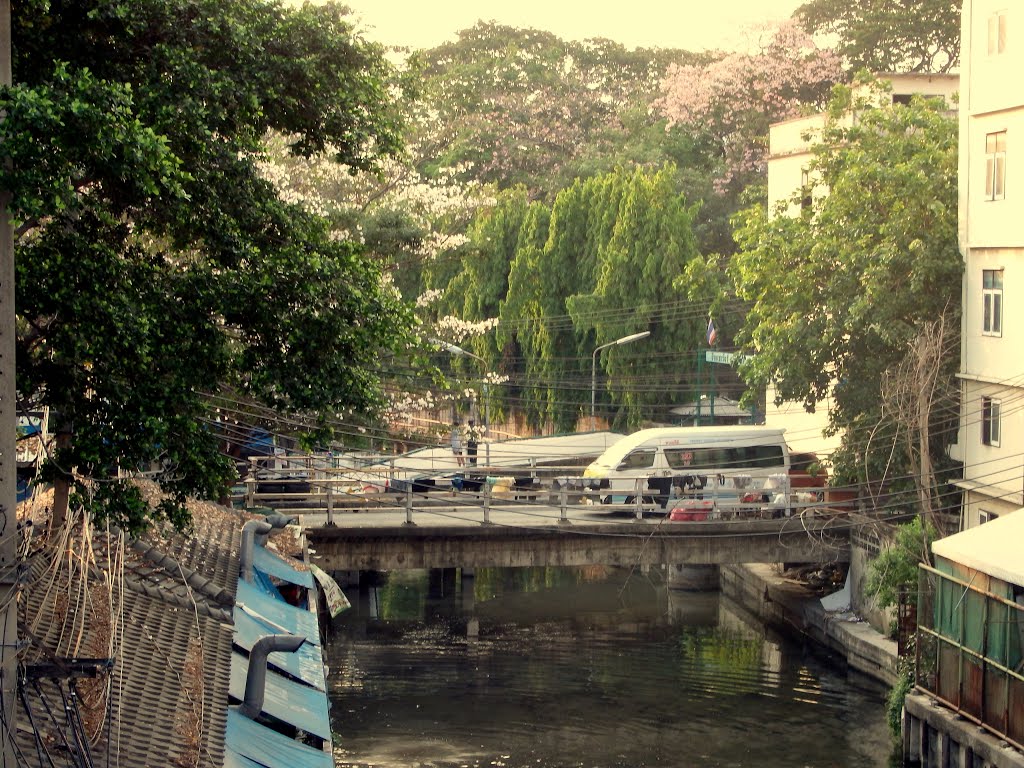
789	160
991	434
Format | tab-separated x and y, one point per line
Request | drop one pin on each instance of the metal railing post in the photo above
639	498
563	501
408	506
487	503
330	501
250	491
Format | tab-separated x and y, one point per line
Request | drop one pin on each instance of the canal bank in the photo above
933	735
796	608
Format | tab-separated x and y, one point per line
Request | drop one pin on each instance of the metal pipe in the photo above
249	531
256	679
276	520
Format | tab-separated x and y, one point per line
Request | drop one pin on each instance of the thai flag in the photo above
712	332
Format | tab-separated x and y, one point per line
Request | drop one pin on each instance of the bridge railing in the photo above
337	490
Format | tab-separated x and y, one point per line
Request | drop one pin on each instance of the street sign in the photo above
723	357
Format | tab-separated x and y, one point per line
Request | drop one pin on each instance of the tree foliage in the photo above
521	106
883	36
896	567
839	293
734	100
604	270
156	266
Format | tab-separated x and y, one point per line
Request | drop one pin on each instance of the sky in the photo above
693	25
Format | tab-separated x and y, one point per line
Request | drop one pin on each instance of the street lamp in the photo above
593	369
460	352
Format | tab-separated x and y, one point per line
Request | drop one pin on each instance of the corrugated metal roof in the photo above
290	702
291	619
306	663
250	744
274	565
993	548
234	760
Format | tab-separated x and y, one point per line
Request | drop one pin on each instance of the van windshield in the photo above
639	459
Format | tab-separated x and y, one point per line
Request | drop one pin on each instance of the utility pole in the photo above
8	447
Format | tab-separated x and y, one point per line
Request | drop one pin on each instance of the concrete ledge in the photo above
796	608
936	736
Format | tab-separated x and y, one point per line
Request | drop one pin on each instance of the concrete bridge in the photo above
546	536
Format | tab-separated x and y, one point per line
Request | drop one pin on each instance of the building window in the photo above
995	166
997	33
992	296
805	190
984	516
990	421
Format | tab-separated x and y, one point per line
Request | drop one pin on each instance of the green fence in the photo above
968	652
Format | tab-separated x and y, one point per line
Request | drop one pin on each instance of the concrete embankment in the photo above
794	607
933	736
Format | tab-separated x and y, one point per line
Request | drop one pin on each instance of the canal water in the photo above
584	668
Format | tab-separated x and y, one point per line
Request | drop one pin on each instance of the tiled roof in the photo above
171	595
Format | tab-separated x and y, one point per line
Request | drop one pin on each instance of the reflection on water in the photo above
584	668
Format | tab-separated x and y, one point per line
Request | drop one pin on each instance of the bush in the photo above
895	568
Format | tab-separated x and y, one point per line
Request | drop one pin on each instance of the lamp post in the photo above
460	352
593	370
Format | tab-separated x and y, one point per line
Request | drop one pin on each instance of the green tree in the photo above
522	107
615	244
158	272
651	244
839	293
883	36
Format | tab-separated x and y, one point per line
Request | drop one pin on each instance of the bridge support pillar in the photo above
697	578
441	584
467	585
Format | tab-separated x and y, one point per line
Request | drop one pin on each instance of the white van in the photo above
723	462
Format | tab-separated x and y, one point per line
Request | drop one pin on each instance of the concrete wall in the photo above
758	589
865	545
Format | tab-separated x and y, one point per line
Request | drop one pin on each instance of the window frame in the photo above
992	302
806	195
997	25
991	427
995	165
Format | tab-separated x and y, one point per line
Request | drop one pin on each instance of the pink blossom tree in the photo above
735	99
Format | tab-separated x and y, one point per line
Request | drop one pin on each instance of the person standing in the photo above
472	439
456	443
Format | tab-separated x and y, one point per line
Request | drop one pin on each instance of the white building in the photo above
991	435
789	158
790	141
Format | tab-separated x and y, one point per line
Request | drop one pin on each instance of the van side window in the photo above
740	457
638	460
766	456
763	457
679	458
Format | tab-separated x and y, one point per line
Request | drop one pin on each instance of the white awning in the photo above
993	548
